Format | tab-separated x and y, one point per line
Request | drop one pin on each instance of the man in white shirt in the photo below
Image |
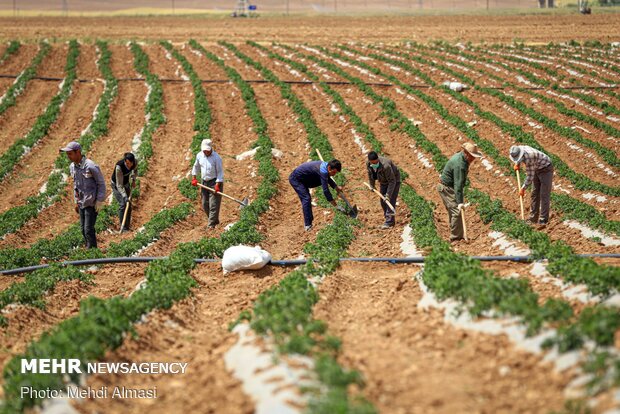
212	175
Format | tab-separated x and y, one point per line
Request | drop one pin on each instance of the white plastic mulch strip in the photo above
272	384
591	233
516	333
408	246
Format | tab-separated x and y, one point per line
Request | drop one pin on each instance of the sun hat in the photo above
472	149
516	153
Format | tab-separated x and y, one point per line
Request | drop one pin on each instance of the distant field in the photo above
189	7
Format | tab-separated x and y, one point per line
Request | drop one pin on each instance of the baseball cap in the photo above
472	149
205	145
72	146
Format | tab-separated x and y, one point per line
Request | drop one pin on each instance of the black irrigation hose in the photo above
294	262
294	82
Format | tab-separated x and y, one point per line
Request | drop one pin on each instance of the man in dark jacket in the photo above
310	175
124	173
451	186
382	169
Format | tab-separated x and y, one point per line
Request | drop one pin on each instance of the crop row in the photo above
604	106
608	155
37	284
15	152
451	275
11	49
10	96
563	261
14	218
202	116
102	324
570	207
284	312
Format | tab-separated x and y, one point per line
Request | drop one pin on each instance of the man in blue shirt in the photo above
310	175
88	190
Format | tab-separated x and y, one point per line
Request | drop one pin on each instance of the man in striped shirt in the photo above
538	170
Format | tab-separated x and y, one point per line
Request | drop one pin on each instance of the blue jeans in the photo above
306	201
88	217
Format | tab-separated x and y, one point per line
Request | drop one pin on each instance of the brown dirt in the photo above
27	323
15	64
414	363
195	331
33	170
126	119
549	139
449	140
323	29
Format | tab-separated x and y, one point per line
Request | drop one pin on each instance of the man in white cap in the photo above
212	175
451	186
88	190
538	170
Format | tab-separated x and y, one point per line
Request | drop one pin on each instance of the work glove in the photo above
125	199
461	207
98	205
522	192
217	187
194	182
517	167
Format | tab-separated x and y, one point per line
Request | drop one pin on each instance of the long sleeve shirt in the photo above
387	173
534	160
210	167
455	175
314	174
88	183
122	177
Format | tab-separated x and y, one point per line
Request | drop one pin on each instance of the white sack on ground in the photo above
244	258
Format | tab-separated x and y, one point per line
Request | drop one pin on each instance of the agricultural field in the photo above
451	334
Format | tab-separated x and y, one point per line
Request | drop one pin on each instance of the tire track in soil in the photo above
33	169
17	120
231	132
126	119
27	323
15	64
550	137
414	363
285	234
447	140
194	330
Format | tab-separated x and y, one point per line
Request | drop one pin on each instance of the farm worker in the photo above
88	190
382	169
124	172
212	175
451	186
310	175
539	170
